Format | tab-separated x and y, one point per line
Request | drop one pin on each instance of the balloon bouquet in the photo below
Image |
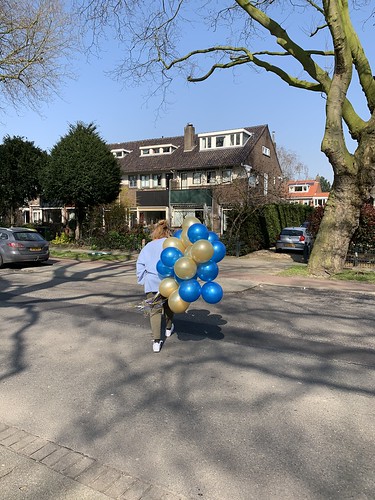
188	266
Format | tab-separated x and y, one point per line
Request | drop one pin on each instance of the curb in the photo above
76	467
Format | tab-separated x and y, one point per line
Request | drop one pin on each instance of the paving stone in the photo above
120	486
19	445
105	480
154	493
136	490
92	473
14	438
9	431
44	452
171	496
71	458
76	469
55	456
34	446
3	427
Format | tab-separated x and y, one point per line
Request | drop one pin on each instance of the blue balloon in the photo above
212	292
163	270
212	237
169	256
189	290
181	280
197	232
219	251
208	270
177	233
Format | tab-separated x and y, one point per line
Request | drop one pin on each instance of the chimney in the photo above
189	137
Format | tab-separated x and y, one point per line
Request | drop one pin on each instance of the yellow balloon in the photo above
185	268
202	251
167	286
189	221
176	304
172	241
185	238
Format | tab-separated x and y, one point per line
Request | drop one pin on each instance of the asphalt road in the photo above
267	395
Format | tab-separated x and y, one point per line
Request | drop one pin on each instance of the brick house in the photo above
172	177
306	192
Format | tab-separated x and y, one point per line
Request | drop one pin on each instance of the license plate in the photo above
291	245
35	249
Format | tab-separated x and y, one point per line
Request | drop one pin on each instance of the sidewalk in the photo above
263	268
35	469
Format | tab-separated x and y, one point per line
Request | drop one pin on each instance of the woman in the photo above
148	276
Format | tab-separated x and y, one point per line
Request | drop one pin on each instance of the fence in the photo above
361	257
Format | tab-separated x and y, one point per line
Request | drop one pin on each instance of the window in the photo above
266	151
145	181
206	142
120	153
159	149
197	178
211	176
156	180
220	141
265	185
298	189
132	181
235	139
184	180
227	175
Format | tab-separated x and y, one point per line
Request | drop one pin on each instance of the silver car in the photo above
19	244
294	238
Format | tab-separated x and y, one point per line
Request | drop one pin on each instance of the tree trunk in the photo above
350	191
340	220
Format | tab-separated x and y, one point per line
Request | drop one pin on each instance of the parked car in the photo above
19	244
295	238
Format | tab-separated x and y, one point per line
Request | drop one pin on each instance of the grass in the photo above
89	255
362	275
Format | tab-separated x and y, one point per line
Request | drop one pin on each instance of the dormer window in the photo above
120	153
224	139
162	149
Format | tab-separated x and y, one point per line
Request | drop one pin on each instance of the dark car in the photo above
295	238
19	244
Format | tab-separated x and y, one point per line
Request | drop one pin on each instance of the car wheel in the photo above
278	250
1	261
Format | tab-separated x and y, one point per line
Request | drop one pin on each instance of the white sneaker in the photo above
156	346
169	331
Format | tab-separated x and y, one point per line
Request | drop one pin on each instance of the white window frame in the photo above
266	151
197	178
145	181
227	175
132	181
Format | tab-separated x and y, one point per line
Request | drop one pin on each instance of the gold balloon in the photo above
176	304
187	252
185	268
189	221
202	251
167	286
185	238
172	241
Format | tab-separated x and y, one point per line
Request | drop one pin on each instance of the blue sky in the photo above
225	101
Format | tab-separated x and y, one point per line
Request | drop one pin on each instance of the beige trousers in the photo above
159	310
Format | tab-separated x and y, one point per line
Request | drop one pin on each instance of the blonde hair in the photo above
161	230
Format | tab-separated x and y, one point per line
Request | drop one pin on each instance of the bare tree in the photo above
36	40
291	166
332	59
